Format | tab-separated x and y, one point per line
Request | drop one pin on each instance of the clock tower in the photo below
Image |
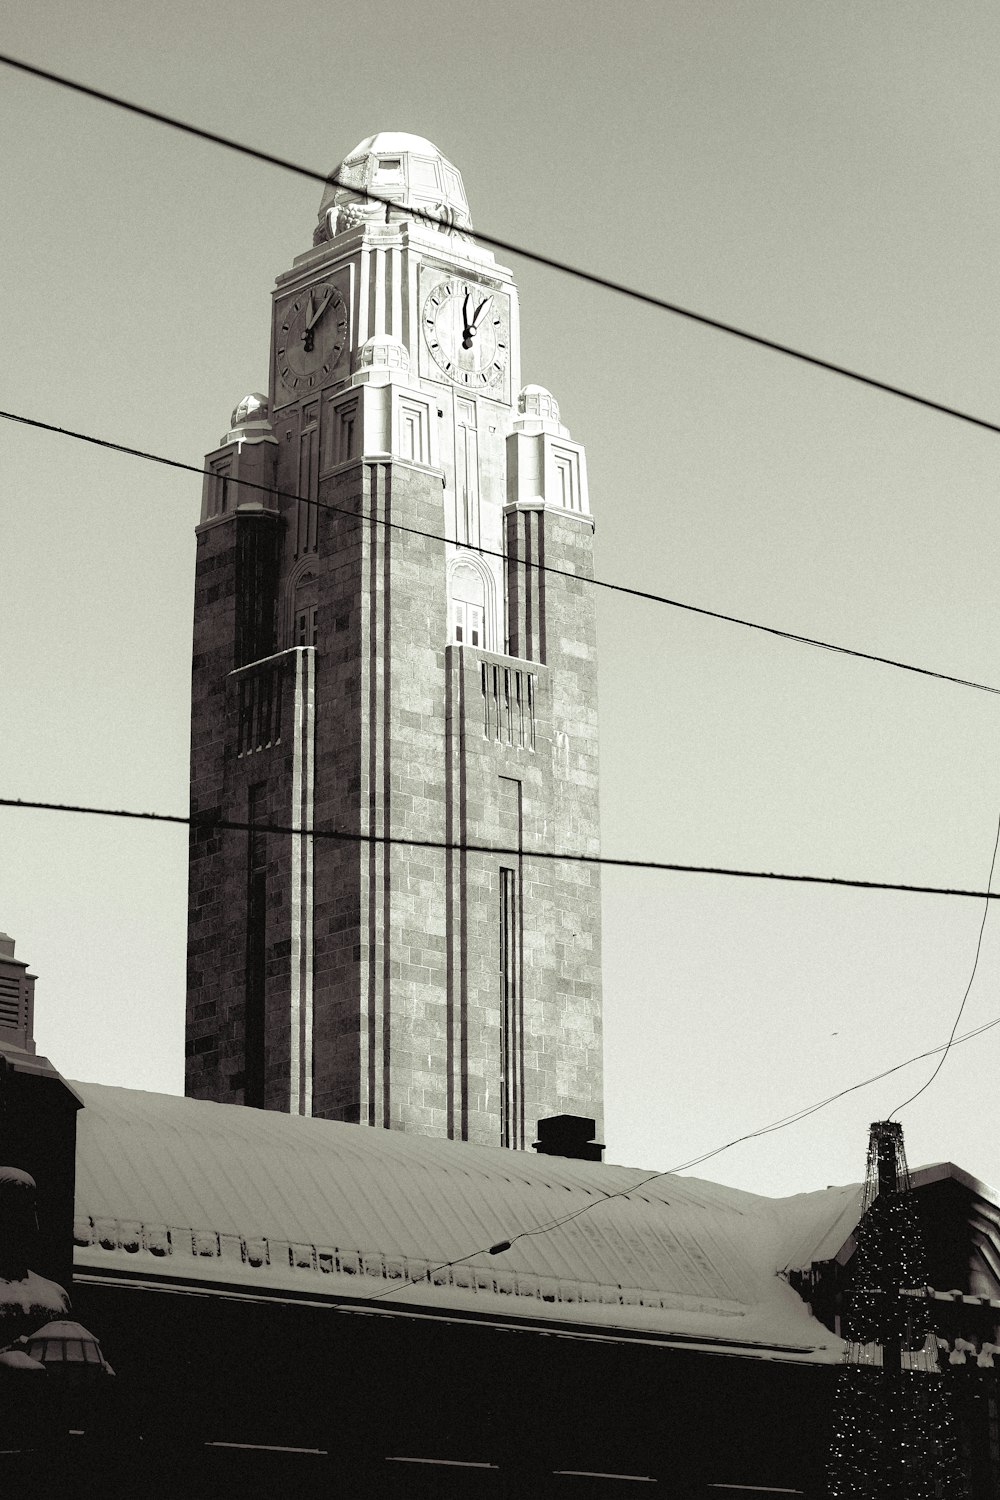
395	667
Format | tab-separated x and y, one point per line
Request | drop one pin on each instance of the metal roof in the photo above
820	1226
193	1191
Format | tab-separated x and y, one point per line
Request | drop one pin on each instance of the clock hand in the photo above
468	328
479	313
317	312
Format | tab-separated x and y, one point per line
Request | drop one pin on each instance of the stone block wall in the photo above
414	744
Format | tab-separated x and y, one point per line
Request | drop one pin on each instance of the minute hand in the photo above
318	312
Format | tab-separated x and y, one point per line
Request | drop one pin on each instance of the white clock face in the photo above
466	327
311	336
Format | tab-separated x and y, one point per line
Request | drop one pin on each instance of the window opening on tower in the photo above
468	606
306	626
305	613
466	623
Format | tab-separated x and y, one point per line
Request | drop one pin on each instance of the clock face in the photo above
311	335
466	328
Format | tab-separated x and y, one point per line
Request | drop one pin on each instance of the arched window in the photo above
468	606
305	611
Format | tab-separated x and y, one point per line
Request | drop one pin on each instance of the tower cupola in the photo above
249	422
401	168
538	411
383	357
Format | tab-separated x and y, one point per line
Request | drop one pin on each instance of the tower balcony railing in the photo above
510	689
258	688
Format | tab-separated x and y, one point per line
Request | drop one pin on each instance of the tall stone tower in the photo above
378	656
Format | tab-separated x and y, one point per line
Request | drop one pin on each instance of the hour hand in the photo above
480	313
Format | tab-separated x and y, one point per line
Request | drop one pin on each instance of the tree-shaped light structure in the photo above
893	1434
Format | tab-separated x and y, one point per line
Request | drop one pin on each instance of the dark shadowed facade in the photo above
293	1303
391	663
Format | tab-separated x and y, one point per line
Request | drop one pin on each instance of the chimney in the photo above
568	1135
17	999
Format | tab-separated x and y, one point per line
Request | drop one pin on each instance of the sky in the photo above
823	175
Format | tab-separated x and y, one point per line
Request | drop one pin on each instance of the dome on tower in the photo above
538	411
384	351
252	408
250	422
399	169
536	401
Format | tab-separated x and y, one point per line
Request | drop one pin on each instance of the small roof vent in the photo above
568	1135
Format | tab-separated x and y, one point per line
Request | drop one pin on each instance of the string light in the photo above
893	1436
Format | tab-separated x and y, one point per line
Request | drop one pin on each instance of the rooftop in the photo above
187	1191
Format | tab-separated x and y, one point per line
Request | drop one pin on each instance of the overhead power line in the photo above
608	284
661	304
208	823
509	1239
968	987
646	595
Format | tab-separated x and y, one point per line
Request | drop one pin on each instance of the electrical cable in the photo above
661	304
507	246
968	987
616	588
505	1244
206	822
679	311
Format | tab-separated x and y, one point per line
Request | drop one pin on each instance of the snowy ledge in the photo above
108	1248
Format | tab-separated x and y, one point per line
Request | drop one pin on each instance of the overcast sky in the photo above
824	174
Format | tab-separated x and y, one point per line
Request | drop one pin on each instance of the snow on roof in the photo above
192	1191
819	1226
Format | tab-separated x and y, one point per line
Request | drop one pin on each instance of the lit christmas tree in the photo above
893	1434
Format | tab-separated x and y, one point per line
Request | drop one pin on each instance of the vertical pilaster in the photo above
302	902
525	579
